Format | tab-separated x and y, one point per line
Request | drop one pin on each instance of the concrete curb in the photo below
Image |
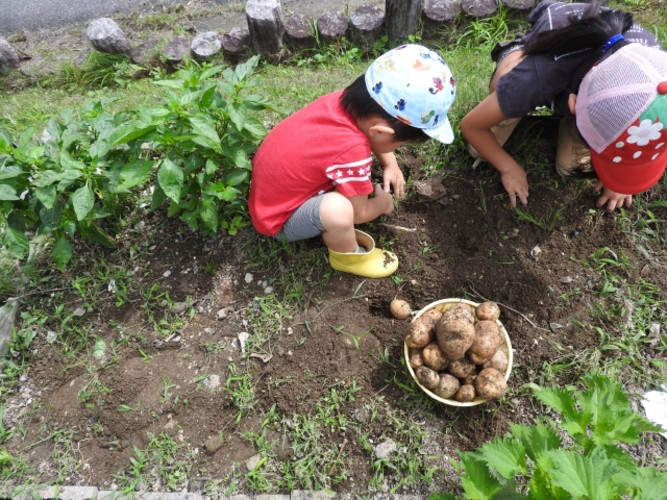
93	493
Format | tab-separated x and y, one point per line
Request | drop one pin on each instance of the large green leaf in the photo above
62	253
5	141
170	178
7	193
583	476
130	175
506	456
209	214
612	418
15	242
51	217
47	195
574	421
83	200
10	171
536	440
643	482
477	482
206	133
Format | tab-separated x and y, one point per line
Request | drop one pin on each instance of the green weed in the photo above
591	462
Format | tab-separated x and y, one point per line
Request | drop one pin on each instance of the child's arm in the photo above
392	177
367	209
476	128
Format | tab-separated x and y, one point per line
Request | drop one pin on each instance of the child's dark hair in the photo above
594	28
359	104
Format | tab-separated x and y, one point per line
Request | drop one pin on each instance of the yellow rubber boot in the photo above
375	263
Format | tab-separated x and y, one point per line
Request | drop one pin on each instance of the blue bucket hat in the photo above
414	84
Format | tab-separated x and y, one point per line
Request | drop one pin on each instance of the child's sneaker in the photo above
573	157
501	132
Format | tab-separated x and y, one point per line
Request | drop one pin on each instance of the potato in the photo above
462	368
447	386
416	360
422	329
485	342
400	309
427	377
459	311
476	359
490	384
433	357
454	337
498	361
465	394
487	311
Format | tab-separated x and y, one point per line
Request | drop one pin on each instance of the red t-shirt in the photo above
315	150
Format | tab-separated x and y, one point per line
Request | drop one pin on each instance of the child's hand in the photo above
393	180
384	200
612	199
515	183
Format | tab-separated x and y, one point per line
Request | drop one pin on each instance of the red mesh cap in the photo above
621	112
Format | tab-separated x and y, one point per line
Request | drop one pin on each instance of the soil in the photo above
455	236
460	239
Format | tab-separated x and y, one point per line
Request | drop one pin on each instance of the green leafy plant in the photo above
191	151
579	455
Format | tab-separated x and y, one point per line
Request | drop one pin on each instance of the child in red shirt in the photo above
312	173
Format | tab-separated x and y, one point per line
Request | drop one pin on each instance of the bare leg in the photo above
337	217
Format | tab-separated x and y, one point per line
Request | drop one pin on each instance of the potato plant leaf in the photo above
209	214
206	136
10	171
15	242
170	178
7	193
130	175
83	200
47	195
61	253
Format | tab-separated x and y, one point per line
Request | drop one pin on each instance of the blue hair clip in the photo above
612	41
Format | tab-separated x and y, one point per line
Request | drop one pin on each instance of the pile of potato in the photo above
456	353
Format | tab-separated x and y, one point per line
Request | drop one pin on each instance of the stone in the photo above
7	320
145	54
366	25
402	19
519	4
332	26
206	45
266	26
479	8
9	59
439	11
106	36
176	49
236	41
299	32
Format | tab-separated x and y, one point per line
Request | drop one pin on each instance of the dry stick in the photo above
399	228
508	308
340	452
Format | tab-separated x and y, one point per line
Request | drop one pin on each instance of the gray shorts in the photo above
305	222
